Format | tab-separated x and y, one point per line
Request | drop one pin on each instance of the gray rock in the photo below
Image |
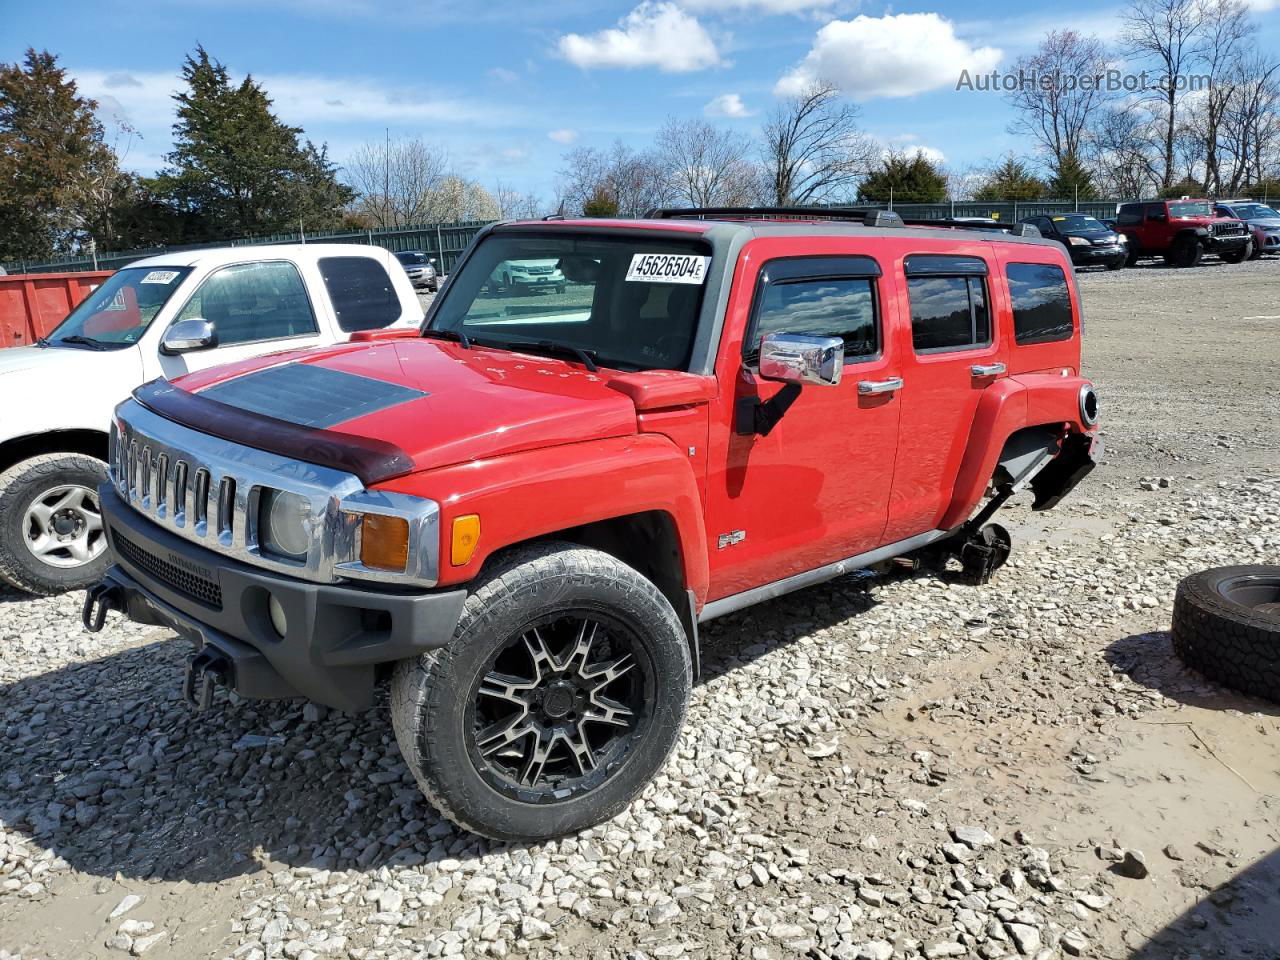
1133	865
1025	937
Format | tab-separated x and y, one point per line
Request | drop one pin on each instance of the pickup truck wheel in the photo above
559	697
1184	253
51	533
1226	624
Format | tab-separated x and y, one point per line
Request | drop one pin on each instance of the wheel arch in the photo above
91	443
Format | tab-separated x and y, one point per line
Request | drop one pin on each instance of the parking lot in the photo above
871	769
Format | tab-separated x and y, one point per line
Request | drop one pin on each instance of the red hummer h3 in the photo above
523	512
1181	231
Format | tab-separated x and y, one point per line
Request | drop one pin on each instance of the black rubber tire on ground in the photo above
1238	256
19	487
1131	256
1255	252
432	695
1117	263
1184	253
1226	624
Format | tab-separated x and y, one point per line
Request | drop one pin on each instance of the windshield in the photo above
118	313
411	259
1198	208
1078	222
1254	211
630	303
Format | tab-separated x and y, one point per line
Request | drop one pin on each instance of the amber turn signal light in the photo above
466	536
384	542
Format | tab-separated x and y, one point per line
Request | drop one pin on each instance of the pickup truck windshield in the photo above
1194	209
118	313
627	302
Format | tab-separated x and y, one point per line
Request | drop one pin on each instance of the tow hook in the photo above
206	670
98	601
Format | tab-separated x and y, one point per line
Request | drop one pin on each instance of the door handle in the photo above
871	387
987	369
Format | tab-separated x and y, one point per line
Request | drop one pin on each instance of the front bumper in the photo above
1226	244
1091	255
335	636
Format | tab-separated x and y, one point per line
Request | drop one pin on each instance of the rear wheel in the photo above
558	699
51	533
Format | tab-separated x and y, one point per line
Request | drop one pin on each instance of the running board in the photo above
768	591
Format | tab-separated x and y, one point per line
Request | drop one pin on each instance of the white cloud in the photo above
1261	6
565	136
891	56
727	105
762	6
932	154
652	35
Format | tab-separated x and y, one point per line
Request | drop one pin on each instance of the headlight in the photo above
1121	238
284	527
1077	241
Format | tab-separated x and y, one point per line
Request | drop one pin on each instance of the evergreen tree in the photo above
236	168
905	178
53	161
1011	181
1072	180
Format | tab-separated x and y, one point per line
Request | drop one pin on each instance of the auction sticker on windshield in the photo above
160	276
667	268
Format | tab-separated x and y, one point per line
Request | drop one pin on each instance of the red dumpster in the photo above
32	304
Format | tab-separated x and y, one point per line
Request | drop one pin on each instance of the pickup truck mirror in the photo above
794	358
185	336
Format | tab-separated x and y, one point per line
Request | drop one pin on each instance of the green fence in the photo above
444	241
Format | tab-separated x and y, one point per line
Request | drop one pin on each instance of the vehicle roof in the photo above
746	229
298	252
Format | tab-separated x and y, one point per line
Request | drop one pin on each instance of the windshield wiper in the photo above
84	341
42	342
453	335
586	357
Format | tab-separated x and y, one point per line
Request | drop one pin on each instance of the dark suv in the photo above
1089	242
1181	231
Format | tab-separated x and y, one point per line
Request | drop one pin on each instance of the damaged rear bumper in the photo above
1079	455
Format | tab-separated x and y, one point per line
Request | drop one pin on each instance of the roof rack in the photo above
868	216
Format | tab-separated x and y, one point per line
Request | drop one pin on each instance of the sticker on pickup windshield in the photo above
160	276
667	268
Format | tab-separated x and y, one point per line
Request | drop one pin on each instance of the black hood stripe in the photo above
310	395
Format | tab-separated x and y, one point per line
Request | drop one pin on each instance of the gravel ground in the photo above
872	769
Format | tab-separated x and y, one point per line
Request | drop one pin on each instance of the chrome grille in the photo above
207	490
1228	229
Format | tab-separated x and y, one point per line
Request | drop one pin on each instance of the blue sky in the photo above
507	87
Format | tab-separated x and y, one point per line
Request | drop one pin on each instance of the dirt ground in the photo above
839	741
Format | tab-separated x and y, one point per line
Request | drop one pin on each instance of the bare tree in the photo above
1249	134
398	181
706	166
1125	152
1227	29
812	147
1167	34
1056	113
631	181
514	205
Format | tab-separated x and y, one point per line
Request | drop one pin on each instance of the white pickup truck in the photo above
160	317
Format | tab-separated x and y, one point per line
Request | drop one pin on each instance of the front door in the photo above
816	488
255	308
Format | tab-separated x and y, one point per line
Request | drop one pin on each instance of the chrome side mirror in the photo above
794	358
185	336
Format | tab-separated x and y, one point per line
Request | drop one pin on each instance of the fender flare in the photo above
1007	406
537	493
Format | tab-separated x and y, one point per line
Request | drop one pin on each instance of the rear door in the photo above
816	489
953	353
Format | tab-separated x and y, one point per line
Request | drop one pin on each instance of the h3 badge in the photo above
731	538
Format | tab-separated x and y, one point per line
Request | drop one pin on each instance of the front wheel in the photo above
1238	256
1184	253
51	533
559	697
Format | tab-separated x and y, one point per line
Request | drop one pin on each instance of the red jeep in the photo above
523	512
1181	231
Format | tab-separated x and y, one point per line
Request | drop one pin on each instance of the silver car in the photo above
420	268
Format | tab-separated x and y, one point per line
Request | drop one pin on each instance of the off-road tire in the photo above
430	694
19	486
1184	253
1132	254
1238	256
1232	642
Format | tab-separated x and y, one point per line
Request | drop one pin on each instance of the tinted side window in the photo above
829	307
1129	213
1041	303
250	302
361	291
1155	211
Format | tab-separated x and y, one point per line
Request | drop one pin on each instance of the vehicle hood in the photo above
438	403
49	388
1103	234
1269	223
63	368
